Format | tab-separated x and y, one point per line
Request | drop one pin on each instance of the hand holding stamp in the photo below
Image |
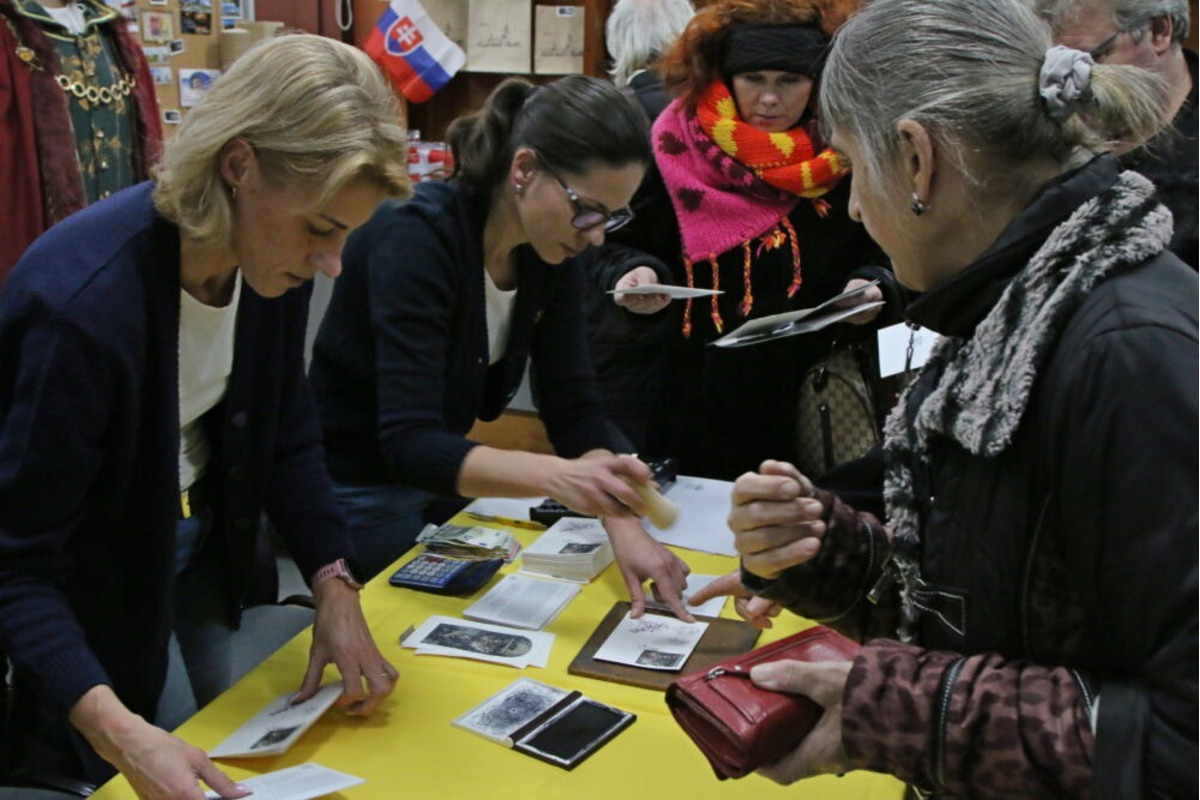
659	510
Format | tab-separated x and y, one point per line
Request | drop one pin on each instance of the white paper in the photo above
458	638
893	348
670	290
499	38
515	507
277	727
558	40
652	641
703	510
792	323
519	601
510	709
301	782
709	608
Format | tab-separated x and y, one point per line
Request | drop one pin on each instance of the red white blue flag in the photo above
413	50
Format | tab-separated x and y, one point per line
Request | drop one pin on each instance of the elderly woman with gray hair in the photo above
1036	581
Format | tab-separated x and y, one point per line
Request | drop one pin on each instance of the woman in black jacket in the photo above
752	204
1039	565
447	298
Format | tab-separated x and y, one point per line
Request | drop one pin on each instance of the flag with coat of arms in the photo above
413	51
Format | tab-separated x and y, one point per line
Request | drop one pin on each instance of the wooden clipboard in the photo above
723	639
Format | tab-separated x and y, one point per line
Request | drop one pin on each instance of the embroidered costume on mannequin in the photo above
81	120
731	184
986	381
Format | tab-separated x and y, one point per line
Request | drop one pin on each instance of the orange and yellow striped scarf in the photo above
786	160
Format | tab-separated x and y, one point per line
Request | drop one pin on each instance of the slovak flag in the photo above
413	50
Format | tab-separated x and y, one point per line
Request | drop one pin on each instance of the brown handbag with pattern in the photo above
835	416
740	727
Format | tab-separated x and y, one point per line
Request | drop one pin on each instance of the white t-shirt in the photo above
499	317
206	338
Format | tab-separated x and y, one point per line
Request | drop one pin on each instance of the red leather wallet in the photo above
740	727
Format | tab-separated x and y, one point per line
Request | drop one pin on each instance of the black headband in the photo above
789	48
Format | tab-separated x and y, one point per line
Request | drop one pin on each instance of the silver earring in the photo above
233	192
518	189
918	206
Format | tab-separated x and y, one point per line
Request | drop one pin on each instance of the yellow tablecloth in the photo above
409	748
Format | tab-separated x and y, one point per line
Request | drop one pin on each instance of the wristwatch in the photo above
336	569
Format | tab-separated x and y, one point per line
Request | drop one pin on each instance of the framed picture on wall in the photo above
158	26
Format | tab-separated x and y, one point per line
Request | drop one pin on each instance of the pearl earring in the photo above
918	206
518	189
233	192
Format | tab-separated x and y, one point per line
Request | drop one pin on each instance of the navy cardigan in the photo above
89	452
400	365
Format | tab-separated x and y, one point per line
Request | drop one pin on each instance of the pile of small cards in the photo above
574	548
467	541
447	636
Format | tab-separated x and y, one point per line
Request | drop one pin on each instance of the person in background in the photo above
154	403
78	120
752	205
1036	586
626	338
448	297
1148	34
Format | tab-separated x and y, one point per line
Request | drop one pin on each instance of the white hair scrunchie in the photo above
1065	82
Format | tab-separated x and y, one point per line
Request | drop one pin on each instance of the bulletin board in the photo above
181	38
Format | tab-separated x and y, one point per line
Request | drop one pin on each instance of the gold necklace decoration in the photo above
98	94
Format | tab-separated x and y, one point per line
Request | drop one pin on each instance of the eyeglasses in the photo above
1103	49
587	217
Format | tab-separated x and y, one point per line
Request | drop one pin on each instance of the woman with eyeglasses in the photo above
444	301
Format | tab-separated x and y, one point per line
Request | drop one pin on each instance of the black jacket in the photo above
1058	570
400	364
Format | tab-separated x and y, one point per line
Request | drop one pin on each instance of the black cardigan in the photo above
400	364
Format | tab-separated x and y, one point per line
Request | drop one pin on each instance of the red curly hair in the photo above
694	61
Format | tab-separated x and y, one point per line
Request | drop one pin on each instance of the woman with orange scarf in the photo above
750	203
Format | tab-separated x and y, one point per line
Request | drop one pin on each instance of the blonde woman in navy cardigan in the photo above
154	404
449	296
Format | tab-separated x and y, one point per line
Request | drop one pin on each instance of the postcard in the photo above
671	291
792	323
652	641
458	638
194	84
158	26
301	782
277	727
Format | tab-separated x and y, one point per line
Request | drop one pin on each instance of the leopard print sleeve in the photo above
832	588
977	726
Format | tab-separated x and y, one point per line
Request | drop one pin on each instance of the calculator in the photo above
430	572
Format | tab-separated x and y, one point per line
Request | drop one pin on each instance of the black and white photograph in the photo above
459	638
659	659
274	737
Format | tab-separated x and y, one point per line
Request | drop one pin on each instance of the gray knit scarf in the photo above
986	380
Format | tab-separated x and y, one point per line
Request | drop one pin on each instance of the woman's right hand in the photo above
639	303
598	484
776	522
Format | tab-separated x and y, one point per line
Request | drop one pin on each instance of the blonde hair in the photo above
315	111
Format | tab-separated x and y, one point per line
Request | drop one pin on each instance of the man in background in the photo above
1147	34
79	120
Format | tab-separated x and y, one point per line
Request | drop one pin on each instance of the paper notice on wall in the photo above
499	38
451	17
558	40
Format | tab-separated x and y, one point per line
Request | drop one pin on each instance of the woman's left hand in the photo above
871	295
341	637
821	751
641	557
